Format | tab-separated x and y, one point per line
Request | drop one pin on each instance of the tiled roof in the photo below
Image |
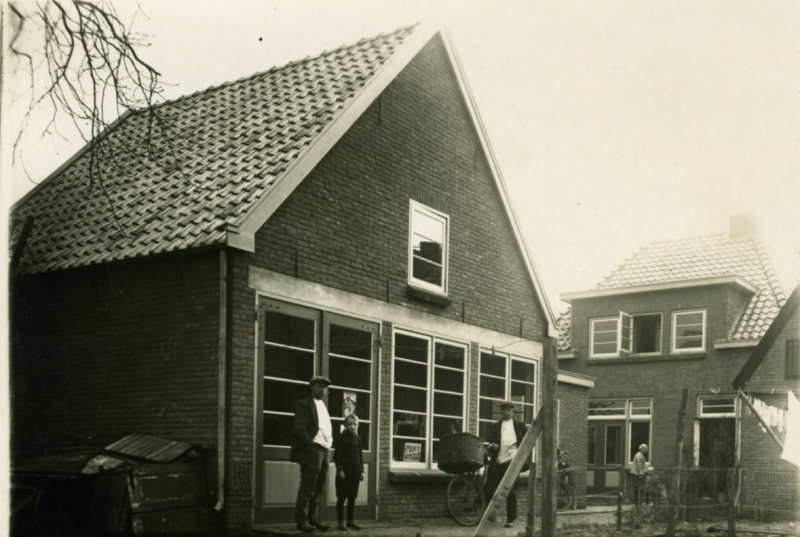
564	326
704	257
232	143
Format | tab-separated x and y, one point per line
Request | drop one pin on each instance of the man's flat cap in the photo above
320	380
508	404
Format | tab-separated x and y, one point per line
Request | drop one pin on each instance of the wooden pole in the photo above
530	525
760	419
676	485
549	439
523	455
731	502
619	508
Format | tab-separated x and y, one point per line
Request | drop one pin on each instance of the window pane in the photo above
411	374
336	403
449	355
607	408
625	333
410	399
451	381
522	392
604	348
450	405
608	325
591	444
525	413
445	426
277	430
363	432
485	430
428	249
288	330
408	450
689	343
409	425
288	363
282	396
689	318
721	405
640	407
489	409
522	371
492	387
640	434
349	373
613	444
351	342
428	227
493	365
606	337
412	348
689	330
427	272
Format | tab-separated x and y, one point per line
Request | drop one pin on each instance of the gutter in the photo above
222	377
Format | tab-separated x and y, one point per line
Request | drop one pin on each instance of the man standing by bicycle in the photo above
504	440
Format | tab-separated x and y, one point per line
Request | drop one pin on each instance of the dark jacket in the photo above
306	425
348	454
495	434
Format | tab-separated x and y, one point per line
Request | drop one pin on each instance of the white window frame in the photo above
711	415
700	416
415	206
674	334
660	341
620	339
508	380
591	337
628	417
432	341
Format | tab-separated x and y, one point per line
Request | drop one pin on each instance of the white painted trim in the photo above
494	166
660	286
566	377
334	130
673	335
304	293
591	338
414	205
736	344
567	355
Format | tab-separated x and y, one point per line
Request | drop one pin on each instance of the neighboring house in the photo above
677	314
341	215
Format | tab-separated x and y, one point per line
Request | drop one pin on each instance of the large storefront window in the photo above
428	400
503	377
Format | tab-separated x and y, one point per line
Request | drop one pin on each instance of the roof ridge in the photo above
292	63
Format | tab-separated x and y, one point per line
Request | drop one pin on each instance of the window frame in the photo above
591	337
429	464
674	332
628	417
714	415
415	206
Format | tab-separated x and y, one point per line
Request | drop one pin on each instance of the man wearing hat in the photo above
504	440
312	437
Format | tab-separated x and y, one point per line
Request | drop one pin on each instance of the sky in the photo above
615	123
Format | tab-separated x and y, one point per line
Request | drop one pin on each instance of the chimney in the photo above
743	226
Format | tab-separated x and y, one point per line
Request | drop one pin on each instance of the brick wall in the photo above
119	347
346	227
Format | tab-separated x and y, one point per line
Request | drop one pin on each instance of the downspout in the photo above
222	376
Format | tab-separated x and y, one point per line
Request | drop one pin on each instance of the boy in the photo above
349	470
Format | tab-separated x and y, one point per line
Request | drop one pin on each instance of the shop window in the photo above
503	377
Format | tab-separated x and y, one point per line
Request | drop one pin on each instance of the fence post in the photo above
619	508
531	523
731	478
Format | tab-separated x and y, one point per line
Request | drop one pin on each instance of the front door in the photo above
297	343
605	470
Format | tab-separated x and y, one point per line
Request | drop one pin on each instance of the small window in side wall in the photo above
689	331
792	358
428	248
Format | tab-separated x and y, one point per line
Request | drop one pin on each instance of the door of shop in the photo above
296	343
607	472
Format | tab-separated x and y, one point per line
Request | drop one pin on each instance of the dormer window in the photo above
689	331
626	334
428	248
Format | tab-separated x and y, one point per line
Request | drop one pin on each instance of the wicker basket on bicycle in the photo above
460	453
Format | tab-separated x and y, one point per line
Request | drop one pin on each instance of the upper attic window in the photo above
689	331
428	248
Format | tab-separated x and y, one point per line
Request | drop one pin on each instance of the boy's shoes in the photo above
341	527
305	526
320	526
353	525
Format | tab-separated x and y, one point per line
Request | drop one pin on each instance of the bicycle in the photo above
462	454
565	494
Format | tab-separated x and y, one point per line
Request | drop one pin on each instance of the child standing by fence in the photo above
349	470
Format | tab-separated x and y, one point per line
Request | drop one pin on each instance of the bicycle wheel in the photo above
565	496
465	499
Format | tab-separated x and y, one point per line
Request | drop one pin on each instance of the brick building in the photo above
340	215
681	314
